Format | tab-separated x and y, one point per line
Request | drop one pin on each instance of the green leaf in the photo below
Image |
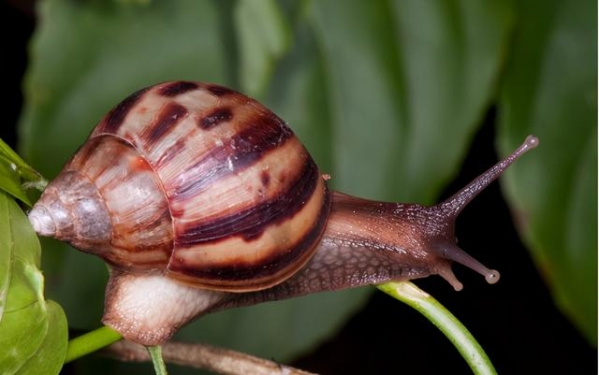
15	174
550	90
9	156
23	332
23	240
26	286
408	82
10	182
263	37
35	331
50	354
21	282
5	255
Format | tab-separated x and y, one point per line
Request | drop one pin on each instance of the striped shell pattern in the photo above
195	181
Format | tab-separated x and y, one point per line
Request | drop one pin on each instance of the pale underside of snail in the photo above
200	198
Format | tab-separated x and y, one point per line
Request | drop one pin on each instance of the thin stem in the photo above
90	342
156	355
451	327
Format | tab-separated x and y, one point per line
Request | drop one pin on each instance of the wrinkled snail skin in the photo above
201	199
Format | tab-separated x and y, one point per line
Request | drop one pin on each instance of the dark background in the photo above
514	320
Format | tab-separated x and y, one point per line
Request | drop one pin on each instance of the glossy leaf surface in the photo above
33	331
550	89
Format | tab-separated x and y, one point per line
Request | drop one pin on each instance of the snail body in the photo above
199	198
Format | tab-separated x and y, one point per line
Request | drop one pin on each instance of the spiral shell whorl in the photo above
205	185
80	218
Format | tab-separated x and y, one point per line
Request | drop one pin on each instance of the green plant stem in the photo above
157	360
90	342
451	327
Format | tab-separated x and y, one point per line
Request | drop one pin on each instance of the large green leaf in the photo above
550	90
382	92
408	82
35	330
263	38
50	354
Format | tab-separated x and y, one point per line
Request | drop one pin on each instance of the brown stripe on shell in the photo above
245	276
241	151
139	247
116	117
147	260
215	117
85	153
155	223
218	90
169	116
177	88
97	155
251	223
265	178
169	153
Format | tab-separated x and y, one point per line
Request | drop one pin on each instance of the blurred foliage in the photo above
387	96
550	89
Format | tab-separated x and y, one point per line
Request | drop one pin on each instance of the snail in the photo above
200	199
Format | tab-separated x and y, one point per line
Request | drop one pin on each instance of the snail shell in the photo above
194	181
